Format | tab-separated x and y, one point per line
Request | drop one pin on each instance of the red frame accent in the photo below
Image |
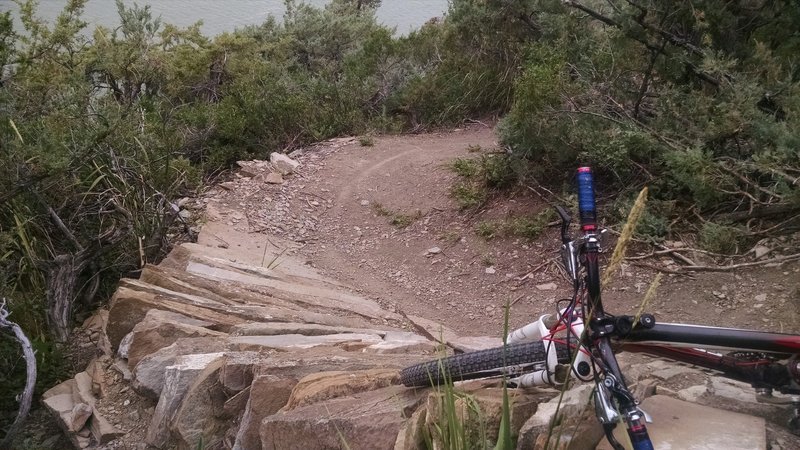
790	342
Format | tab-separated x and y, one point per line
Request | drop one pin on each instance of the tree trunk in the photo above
62	278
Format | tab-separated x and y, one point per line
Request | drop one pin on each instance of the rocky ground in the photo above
315	279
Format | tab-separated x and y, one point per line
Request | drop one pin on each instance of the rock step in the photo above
679	424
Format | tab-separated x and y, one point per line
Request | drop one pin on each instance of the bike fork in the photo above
631	415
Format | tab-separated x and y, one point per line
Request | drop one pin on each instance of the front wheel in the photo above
516	358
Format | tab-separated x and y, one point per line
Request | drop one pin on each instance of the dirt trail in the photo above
346	210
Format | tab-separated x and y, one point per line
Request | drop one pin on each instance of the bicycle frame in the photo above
691	344
593	335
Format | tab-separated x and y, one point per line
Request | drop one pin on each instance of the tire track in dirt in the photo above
348	188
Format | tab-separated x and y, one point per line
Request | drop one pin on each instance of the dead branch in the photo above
543	197
30	378
652	254
646	81
663	269
776	260
677	255
63	228
761	212
749	182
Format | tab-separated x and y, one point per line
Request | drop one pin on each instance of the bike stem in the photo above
613	380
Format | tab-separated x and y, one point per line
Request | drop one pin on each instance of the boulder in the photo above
71	416
102	430
369	420
148	375
236	405
160	329
268	394
72	404
479	409
178	378
283	163
468	344
576	432
411	435
97	373
80	413
573	403
129	306
291	291
200	421
273	178
238	371
95	327
678	424
175	280
276	376
83	391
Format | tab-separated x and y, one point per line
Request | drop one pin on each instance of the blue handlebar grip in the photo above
586	204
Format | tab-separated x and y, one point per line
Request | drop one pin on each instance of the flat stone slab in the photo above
466	344
306	329
299	341
688	426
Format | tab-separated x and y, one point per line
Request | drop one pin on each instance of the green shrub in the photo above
529	227
480	178
466	168
487	229
719	238
696	121
401	220
498	171
469	194
366	141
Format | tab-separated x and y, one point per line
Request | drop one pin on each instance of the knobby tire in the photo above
479	364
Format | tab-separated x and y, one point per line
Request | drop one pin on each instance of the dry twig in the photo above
776	260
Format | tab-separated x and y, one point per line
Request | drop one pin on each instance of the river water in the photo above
225	15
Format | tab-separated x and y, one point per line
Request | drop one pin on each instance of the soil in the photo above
340	206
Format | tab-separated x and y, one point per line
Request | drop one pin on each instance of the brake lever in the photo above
566	220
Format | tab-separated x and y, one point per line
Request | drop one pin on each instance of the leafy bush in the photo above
720	238
526	226
666	97
487	229
466	168
469	194
480	178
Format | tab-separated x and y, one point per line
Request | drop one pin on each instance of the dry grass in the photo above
625	236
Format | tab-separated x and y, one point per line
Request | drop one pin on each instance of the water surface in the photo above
225	15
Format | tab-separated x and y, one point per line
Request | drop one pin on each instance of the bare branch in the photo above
669	37
63	228
776	260
30	379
